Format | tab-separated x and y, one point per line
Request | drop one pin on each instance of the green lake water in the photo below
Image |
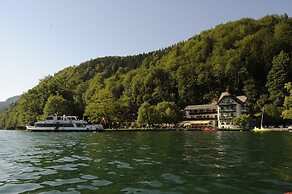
145	162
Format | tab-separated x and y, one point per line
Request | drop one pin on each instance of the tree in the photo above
287	112
283	31
272	114
168	112
159	84
30	107
262	100
147	114
186	84
242	120
103	106
277	77
251	91
56	104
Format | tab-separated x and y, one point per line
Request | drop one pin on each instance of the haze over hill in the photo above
9	101
248	56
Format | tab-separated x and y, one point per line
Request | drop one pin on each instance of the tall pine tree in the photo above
277	78
287	112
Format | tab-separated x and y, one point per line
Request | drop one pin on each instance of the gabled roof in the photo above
239	99
223	94
242	98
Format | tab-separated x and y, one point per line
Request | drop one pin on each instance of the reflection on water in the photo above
145	162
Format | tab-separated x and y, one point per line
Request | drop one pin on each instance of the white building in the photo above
200	116
228	108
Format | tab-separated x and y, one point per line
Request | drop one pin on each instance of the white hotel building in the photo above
220	114
228	108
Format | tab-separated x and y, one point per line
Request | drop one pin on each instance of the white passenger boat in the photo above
63	123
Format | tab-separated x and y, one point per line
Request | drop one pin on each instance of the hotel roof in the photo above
201	106
240	99
223	94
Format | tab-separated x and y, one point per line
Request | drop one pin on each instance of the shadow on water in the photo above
142	162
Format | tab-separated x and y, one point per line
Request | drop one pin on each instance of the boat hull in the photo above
62	129
63	123
261	130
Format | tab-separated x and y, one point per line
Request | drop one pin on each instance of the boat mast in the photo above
262	119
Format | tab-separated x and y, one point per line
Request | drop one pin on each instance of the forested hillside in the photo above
246	57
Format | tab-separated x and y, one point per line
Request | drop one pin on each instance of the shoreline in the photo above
156	130
183	130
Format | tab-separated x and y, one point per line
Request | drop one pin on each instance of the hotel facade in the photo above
200	116
217	115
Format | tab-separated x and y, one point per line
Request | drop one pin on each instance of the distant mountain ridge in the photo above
6	103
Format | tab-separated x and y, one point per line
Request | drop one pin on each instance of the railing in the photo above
227	110
202	119
199	117
226	117
227	103
202	112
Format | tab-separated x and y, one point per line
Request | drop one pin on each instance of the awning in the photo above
186	123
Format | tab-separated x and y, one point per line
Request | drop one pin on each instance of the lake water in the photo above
145	162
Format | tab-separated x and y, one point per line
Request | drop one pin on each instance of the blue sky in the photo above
41	37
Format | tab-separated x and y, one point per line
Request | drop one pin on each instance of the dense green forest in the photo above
246	57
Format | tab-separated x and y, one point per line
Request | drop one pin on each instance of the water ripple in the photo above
61	192
131	190
173	178
154	183
19	188
59	182
100	183
184	162
88	177
120	164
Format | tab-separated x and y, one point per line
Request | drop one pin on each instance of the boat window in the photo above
49	118
54	125
80	125
73	118
45	125
66	125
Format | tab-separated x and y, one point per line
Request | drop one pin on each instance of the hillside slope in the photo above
239	56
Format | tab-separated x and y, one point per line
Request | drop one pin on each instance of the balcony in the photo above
227	103
226	117
208	111
227	110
